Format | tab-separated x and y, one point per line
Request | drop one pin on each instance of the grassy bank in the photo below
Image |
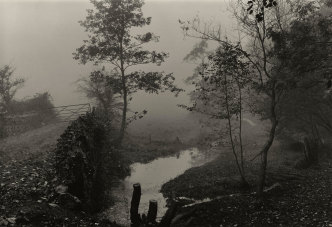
303	199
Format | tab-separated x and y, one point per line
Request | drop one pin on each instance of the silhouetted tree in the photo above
111	40
219	94
256	19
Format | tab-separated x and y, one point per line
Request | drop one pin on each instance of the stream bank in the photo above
304	197
152	176
299	203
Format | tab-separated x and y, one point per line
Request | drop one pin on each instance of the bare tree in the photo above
256	21
220	82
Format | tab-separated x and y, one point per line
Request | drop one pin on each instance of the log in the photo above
134	215
189	222
152	213
183	216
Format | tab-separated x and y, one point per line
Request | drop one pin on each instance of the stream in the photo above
152	176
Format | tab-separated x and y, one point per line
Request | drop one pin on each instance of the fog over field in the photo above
39	37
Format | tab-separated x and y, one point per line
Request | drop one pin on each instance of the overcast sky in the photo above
39	37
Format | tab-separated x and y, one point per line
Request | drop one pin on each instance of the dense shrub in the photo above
87	161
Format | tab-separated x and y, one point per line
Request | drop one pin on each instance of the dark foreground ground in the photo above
29	195
301	197
28	182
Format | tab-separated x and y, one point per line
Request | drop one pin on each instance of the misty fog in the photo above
165	113
39	37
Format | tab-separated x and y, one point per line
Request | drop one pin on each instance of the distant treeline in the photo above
27	114
40	102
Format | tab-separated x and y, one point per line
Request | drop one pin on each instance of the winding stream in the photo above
152	176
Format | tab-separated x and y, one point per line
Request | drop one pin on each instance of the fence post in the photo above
134	216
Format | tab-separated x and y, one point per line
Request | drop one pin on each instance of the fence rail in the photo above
71	112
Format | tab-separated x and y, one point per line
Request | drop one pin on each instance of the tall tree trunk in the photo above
243	179
240	128
268	144
124	110
262	176
124	91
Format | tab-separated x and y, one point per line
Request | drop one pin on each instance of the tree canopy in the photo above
113	41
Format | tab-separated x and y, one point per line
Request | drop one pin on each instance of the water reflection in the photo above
152	176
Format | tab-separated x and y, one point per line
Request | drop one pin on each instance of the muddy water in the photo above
152	176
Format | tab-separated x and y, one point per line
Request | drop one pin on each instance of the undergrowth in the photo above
87	160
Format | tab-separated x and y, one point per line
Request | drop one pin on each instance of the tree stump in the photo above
134	215
150	219
152	213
